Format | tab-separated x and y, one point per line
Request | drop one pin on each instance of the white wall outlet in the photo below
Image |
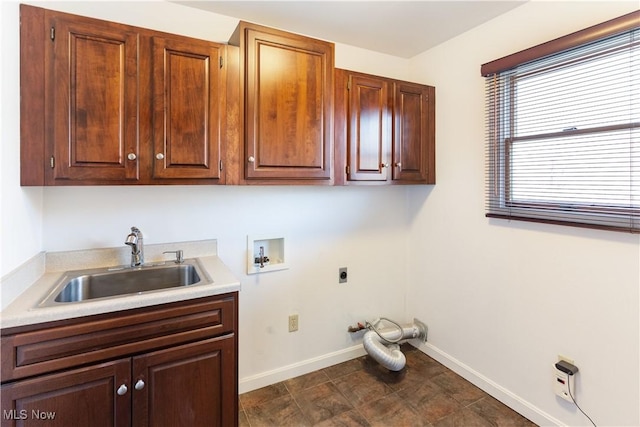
342	275
293	323
564	384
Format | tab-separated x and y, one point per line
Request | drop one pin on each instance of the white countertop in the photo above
24	309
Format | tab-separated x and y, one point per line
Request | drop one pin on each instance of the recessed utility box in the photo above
265	253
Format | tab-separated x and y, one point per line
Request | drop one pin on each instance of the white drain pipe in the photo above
382	344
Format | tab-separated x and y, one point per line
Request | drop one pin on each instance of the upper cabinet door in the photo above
188	94
368	128
95	100
385	130
288	89
414	133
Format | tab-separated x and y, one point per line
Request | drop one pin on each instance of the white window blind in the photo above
563	136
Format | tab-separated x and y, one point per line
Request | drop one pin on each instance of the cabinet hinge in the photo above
347	169
220	165
349	83
221	61
52	162
52	33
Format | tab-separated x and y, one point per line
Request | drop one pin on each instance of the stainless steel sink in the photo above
86	285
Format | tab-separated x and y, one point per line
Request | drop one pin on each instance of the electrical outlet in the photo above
342	275
562	384
565	373
293	323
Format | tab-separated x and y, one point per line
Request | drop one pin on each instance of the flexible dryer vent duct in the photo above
382	344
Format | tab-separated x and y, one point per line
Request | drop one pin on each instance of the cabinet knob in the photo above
132	156
251	159
139	385
122	390
385	165
160	156
398	164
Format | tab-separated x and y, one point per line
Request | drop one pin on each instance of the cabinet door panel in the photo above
81	397
187	98
369	128
413	158
192	385
95	98
289	101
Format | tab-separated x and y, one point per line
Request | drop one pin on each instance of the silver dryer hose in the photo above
381	344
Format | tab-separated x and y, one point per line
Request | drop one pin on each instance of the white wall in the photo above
363	229
504	299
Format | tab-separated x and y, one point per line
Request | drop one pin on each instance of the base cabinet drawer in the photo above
184	373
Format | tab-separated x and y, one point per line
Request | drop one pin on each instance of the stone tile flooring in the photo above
360	392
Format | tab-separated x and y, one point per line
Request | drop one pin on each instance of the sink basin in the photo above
86	285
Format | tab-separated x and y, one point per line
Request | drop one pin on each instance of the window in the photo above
563	130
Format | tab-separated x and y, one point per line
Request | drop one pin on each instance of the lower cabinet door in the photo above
188	385
93	396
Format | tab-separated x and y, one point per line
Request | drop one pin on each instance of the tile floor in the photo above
360	392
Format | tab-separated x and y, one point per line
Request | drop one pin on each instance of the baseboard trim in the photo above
264	379
505	396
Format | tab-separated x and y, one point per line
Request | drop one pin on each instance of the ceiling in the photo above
399	28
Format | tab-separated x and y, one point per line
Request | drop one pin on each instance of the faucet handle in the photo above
179	255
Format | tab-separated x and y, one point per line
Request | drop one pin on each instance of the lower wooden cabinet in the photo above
155	374
185	385
80	397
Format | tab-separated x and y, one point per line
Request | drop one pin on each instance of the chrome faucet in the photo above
134	239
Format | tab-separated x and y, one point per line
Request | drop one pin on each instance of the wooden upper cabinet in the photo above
287	83
188	96
414	133
94	85
384	130
369	128
107	103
